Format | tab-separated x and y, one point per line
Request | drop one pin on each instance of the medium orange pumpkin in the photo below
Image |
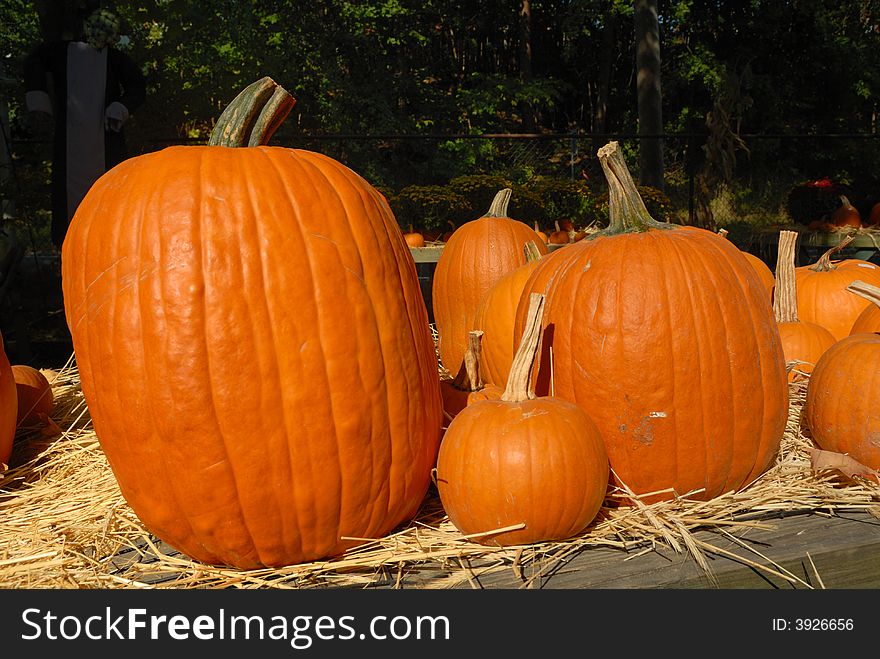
496	315
803	342
8	407
663	334
476	256
280	399
842	405
35	398
869	320
822	297
522	469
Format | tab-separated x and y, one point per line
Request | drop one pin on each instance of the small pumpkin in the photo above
822	295
541	234
522	469
803	342
874	216
846	215
456	391
560	236
842	405
476	256
35	397
414	238
8	407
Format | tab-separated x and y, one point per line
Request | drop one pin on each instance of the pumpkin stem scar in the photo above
253	116
824	263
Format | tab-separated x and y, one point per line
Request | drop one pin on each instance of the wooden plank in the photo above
799	552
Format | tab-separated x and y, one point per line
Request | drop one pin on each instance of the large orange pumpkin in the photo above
279	399
822	297
522	468
803	342
663	334
842	405
476	256
8	407
496	315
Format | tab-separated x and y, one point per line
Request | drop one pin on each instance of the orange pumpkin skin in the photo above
280	393
805	343
868	321
35	397
823	299
709	412
495	316
540	462
476	256
846	215
842	406
765	274
8	407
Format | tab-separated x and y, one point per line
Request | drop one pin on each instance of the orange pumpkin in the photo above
636	313
560	236
414	238
496	315
846	215
541	234
8	407
522	469
843	398
803	342
874	216
280	399
35	398
869	320
456	391
763	270
477	255
822	297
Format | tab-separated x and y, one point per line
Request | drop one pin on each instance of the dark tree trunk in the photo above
525	62
648	93
603	89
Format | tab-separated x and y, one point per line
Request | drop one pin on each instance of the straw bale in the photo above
65	524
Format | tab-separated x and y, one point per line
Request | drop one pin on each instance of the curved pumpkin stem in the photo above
866	290
627	210
824	263
253	116
519	387
469	377
785	294
499	204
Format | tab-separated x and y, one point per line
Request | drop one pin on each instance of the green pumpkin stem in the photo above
499	204
253	116
824	263
785	294
627	210
519	381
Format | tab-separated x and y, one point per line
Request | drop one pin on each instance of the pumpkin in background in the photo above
822	297
663	334
35	398
560	236
414	238
846	215
842	405
764	272
541	234
874	216
279	401
456	392
8	407
496	315
803	342
476	256
522	468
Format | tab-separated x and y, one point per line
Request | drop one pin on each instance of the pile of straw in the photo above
64	523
